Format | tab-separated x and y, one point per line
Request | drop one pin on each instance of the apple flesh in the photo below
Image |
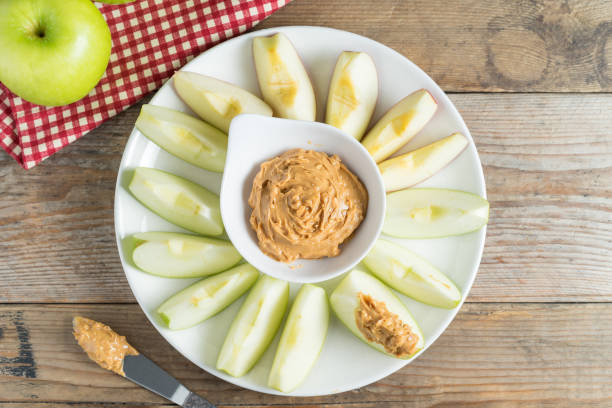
302	339
184	136
411	275
345	302
353	92
175	255
178	200
411	168
254	326
52	52
283	80
400	124
216	101
207	297
434	213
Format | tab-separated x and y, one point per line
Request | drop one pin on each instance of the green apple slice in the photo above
411	168
174	255
353	92
434	213
283	80
345	302
184	136
411	275
207	297
178	200
400	124
254	327
302	339
216	101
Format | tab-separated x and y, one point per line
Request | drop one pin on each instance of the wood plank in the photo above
548	165
548	168
498	45
492	355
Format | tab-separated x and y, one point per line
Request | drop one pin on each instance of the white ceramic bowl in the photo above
253	139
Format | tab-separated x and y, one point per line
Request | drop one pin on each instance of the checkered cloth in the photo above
151	39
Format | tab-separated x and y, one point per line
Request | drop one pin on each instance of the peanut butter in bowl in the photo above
305	205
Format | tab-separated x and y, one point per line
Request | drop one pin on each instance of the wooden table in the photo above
532	80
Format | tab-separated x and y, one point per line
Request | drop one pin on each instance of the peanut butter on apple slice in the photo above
380	325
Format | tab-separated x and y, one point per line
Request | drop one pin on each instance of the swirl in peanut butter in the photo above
305	205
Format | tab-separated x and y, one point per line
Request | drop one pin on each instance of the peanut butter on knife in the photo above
112	351
102	344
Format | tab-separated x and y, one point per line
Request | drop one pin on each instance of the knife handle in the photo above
195	401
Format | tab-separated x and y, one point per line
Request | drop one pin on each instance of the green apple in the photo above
345	302
207	297
283	80
434	213
174	255
411	275
216	101
411	168
52	52
302	339
184	136
178	200
254	326
400	124
353	92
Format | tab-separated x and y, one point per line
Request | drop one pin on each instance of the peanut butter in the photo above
305	205
102	344
380	325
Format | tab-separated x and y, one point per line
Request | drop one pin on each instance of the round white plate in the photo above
345	362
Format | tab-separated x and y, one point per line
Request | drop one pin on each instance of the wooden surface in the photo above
537	327
492	353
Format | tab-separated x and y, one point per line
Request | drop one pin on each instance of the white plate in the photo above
345	362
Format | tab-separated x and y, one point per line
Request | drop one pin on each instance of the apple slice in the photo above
216	101
434	213
400	124
254	327
207	297
411	275
302	339
345	303
184	136
353	92
283	80
178	200
174	255
411	168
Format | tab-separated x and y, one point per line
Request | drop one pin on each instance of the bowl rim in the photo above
375	213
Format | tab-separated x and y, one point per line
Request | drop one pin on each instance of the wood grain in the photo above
491	355
548	165
498	45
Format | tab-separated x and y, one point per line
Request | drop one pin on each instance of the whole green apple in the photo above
52	52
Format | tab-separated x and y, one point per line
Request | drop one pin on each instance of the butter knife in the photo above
112	351
147	374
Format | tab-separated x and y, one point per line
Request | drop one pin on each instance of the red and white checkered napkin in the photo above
151	39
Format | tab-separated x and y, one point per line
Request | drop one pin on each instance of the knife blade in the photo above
149	375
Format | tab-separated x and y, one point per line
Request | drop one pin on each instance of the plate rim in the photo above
367	380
